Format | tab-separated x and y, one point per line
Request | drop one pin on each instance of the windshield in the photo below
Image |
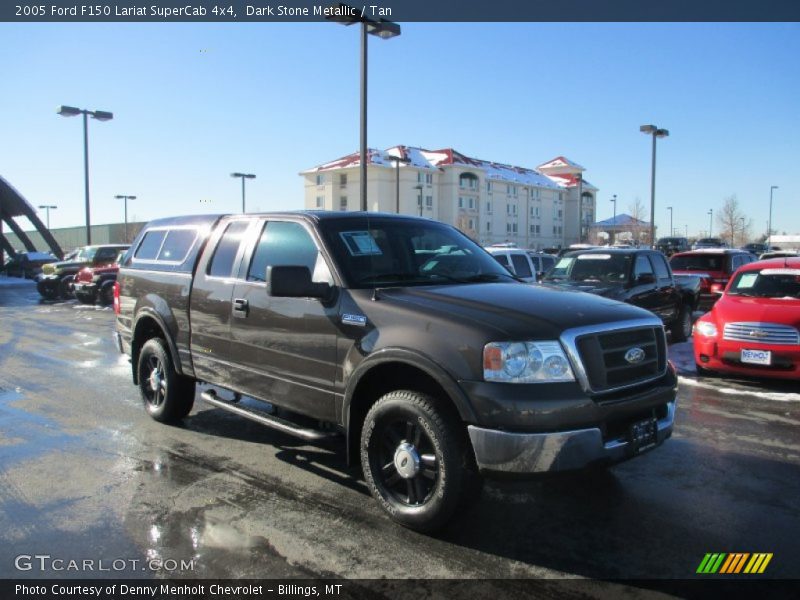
768	283
610	268
697	262
380	252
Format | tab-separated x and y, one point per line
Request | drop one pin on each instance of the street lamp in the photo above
100	115
125	198
47	208
669	208
420	188
397	160
579	177
347	15
710	221
656	133
772	188
614	220
243	176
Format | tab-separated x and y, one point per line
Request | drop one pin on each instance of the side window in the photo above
177	245
105	255
660	265
521	266
287	244
642	267
548	263
150	244
502	259
221	264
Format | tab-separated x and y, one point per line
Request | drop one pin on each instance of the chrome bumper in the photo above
520	453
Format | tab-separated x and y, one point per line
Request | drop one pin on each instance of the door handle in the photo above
240	308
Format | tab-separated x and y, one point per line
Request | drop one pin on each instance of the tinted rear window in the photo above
698	262
521	266
150	244
177	245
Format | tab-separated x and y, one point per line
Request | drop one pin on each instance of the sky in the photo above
193	103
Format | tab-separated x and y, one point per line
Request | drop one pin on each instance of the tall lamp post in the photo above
710	221
656	133
347	15
243	176
47	208
671	232
125	198
579	177
614	221
744	241
397	161
772	188
100	115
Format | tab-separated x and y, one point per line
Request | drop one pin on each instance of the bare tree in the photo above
733	221
640	226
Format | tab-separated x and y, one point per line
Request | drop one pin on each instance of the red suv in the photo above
754	329
714	266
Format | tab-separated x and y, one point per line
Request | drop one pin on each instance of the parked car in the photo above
755	248
637	276
714	266
97	283
708	243
670	245
399	333
57	278
27	264
542	261
517	261
754	328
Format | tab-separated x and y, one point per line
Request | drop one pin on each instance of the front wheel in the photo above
65	287
167	395
415	460
682	327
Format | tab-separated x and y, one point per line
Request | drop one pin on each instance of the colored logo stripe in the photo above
733	563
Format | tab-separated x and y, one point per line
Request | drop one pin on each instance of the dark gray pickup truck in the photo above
400	334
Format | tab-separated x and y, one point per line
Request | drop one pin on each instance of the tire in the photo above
85	298
682	328
106	295
168	397
416	460
65	287
48	291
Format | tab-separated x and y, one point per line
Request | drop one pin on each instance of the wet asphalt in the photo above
86	475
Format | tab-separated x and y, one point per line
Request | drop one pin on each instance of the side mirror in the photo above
294	282
645	278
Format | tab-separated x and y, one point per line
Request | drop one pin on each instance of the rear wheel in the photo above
167	395
415	460
107	294
85	298
682	327
65	287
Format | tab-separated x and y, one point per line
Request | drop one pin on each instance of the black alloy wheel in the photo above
167	395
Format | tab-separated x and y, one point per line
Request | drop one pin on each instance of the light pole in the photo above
397	160
579	177
100	115
710	221
243	176
47	208
772	188
420	188
125	198
669	208
614	220
347	15
744	241
656	133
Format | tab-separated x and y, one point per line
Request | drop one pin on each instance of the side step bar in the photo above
263	418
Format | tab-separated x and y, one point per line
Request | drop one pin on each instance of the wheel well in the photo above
381	380
146	329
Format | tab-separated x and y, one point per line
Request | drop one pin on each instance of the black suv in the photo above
671	245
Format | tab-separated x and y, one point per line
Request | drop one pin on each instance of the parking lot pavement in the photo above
85	474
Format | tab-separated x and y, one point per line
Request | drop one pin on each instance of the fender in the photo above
150	312
415	359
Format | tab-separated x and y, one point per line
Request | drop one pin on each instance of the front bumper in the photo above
724	356
527	453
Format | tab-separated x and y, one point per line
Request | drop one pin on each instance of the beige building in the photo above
491	202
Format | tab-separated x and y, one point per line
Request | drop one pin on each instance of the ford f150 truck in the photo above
401	334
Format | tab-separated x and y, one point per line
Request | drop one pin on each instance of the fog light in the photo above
703	358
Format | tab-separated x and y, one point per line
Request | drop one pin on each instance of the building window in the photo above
560	214
320	179
460	202
513	190
535	212
471	202
468	180
428	201
429	178
535	229
488	186
514	228
508	227
471	224
488	207
488	226
511	209
320	201
343	203
342	179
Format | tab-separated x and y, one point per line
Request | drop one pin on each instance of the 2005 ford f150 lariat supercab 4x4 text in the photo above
437	365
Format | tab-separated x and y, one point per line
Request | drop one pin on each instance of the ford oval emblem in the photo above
634	355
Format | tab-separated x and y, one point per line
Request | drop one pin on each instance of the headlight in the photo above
706	328
526	362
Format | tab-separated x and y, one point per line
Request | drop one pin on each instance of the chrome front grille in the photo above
761	333
618	355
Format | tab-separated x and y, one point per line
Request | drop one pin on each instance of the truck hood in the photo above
516	310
